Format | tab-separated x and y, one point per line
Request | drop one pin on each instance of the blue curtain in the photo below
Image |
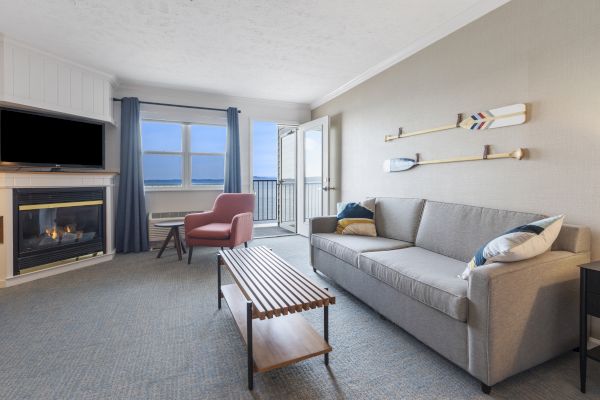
132	223
233	175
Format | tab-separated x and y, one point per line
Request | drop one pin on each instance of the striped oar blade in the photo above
398	164
496	118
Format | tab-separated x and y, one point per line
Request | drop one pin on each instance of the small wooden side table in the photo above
173	233
589	305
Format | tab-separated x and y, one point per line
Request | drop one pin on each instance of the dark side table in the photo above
589	305
173	233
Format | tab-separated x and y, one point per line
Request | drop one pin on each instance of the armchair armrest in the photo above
325	224
522	314
241	228
195	220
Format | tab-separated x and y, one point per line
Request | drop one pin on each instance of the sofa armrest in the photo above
325	224
195	220
522	314
241	228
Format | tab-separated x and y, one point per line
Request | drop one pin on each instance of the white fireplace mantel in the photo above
10	180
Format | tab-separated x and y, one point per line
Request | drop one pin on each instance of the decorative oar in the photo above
495	118
403	164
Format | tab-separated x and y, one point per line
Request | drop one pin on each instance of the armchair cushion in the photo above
214	231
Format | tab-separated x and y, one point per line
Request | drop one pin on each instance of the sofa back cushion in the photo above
398	218
457	230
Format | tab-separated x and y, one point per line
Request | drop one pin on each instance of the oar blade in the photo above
398	164
515	114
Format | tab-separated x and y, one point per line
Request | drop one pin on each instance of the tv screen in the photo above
40	140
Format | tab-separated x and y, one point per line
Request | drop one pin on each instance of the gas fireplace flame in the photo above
52	232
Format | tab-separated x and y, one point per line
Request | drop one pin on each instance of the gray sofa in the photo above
506	318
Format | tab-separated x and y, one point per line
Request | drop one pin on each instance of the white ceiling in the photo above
302	51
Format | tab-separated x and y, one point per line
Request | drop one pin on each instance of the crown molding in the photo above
450	26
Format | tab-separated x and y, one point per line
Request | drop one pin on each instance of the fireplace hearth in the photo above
57	224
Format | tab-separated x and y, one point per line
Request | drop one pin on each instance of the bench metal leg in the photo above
249	339
219	293
326	329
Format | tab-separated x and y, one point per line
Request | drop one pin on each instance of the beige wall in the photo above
545	53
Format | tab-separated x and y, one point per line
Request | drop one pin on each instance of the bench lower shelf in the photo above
277	342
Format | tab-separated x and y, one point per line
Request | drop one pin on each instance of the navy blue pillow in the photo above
355	210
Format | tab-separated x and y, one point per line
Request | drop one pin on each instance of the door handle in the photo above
328	188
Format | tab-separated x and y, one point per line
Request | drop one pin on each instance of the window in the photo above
183	155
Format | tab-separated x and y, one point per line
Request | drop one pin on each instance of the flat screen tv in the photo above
34	139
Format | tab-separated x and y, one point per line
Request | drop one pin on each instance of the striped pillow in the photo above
521	243
356	218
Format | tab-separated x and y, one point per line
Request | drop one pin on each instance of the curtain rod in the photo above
180	106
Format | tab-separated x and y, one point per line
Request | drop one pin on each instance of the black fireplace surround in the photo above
54	224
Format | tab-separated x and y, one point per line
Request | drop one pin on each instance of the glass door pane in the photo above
313	172
287	178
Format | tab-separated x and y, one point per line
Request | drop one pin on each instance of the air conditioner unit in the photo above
157	235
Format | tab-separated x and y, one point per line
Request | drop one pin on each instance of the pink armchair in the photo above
229	224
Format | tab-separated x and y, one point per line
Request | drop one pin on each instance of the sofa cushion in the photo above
348	247
457	230
425	276
397	218
214	231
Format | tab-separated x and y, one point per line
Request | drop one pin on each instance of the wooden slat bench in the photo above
266	286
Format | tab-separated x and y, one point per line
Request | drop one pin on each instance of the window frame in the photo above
186	158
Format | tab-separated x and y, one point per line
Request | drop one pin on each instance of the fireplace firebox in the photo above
51	225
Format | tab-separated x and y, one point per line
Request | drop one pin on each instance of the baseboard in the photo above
31	276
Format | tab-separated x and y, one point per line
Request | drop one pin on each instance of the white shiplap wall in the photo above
33	78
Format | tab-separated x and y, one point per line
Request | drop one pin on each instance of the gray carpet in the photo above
270	231
142	328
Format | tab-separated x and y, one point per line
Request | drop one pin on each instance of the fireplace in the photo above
52	225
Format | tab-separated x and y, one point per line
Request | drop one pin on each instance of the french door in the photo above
313	172
286	177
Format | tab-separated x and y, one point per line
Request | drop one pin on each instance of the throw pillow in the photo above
356	218
518	244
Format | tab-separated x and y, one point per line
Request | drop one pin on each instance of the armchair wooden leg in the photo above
190	248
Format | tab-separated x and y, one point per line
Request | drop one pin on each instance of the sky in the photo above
264	147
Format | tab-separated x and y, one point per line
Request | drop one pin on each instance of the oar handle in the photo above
389	138
517	154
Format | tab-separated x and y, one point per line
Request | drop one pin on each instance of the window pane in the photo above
161	136
162	170
207	139
208	170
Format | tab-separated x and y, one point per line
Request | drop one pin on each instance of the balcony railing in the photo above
267	194
265	204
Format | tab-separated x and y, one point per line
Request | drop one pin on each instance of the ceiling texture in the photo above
300	51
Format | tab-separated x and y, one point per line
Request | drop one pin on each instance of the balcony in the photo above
276	203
